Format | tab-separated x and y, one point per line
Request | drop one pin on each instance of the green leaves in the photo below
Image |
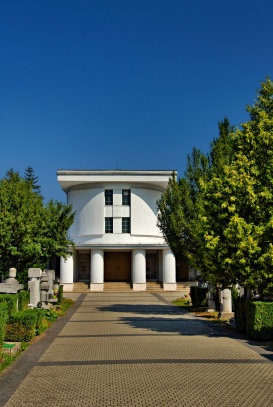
30	232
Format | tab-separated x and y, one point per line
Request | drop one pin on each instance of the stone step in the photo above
117	286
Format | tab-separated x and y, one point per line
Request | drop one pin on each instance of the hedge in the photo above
198	296
255	318
11	300
259	317
21	326
3	321
23	300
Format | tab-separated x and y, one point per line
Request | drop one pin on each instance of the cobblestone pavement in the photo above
137	349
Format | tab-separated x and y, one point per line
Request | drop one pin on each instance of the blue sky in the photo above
124	84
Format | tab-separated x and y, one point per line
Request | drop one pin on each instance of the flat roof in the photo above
71	178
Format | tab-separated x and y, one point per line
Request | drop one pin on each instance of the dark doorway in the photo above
117	266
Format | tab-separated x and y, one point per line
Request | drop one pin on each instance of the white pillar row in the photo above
97	269
139	270
67	272
169	271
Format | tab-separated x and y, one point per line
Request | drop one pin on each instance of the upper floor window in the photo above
108	225
126	197
126	225
108	195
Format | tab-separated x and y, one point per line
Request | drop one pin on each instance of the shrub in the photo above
21	326
3	321
11	300
198	296
60	294
259	320
23	300
40	316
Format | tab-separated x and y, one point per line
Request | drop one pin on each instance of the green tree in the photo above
236	226
30	177
178	207
30	232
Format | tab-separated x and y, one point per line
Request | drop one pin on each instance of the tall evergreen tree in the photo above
30	177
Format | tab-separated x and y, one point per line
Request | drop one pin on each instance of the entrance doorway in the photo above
83	266
117	266
151	267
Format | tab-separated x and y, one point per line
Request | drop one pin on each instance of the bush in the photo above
255	318
199	296
259	320
21	326
11	300
23	300
60	294
3	321
40	316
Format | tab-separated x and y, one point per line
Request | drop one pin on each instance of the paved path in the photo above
136	349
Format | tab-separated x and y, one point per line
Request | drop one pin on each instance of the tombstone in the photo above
34	274
11	285
225	303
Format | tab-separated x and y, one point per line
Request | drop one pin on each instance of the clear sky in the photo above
124	84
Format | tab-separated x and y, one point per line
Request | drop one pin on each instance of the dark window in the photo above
108	225
108	194
126	227
126	197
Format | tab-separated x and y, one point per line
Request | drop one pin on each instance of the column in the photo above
97	268
67	272
139	270
169	271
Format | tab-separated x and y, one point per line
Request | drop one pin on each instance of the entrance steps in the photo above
153	286
81	287
112	286
183	287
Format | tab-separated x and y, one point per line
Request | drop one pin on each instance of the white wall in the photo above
144	212
89	207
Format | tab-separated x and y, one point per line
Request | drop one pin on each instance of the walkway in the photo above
136	349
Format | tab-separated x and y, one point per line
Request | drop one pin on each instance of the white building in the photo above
115	229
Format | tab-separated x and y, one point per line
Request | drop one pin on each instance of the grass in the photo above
50	317
202	312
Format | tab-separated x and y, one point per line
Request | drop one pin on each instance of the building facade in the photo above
115	229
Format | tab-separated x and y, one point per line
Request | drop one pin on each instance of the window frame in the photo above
108	225
126	197
126	225
108	197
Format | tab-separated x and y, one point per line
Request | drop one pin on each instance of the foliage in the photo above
30	232
254	318
3	321
235	230
32	179
21	326
11	302
181	204
60	294
178	207
23	300
198	296
259	318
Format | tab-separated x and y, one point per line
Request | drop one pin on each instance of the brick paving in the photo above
137	349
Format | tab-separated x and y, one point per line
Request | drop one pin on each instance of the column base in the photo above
96	287
169	286
139	286
67	286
